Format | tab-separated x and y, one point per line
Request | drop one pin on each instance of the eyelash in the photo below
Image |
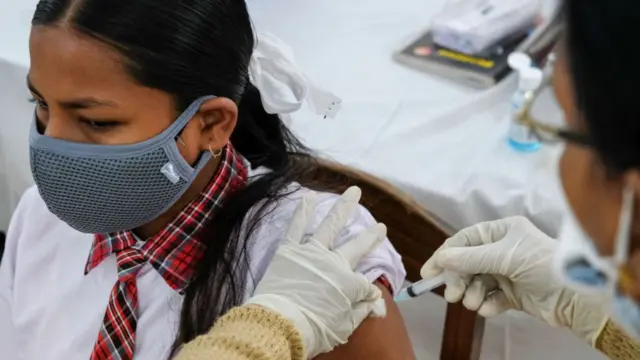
98	125
41	104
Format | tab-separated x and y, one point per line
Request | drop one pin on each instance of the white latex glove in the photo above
507	264
314	285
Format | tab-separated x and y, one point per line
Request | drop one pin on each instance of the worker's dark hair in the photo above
602	45
189	49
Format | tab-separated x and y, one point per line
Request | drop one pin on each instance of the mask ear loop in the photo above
623	236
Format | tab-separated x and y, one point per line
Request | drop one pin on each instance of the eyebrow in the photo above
75	104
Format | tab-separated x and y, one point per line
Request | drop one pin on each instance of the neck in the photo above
201	181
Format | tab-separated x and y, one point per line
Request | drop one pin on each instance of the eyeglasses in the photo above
544	132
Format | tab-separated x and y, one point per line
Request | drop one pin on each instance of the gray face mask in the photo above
108	188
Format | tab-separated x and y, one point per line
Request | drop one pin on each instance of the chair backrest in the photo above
414	232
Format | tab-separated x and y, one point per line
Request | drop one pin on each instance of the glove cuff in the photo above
596	336
589	318
318	338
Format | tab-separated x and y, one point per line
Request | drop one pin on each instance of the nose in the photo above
53	128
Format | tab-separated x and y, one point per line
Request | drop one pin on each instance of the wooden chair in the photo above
416	235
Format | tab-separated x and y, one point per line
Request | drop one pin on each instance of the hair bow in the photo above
283	88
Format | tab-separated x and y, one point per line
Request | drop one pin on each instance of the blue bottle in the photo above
520	137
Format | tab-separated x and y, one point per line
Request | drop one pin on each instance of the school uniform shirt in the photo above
49	308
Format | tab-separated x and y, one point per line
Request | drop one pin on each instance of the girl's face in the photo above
594	195
84	94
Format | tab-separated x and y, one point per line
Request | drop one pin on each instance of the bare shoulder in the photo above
380	339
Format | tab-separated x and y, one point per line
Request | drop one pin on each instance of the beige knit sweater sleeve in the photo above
616	344
247	333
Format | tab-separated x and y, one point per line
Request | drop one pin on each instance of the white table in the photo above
443	143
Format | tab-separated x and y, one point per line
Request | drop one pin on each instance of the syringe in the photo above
418	288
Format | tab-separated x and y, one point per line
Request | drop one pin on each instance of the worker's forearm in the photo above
616	344
247	333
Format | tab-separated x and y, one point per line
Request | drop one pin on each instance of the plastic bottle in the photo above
519	61
520	137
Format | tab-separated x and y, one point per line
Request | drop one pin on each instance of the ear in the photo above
218	117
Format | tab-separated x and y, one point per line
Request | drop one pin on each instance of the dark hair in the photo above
192	48
601	43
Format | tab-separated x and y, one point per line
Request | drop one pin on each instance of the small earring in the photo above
215	154
181	141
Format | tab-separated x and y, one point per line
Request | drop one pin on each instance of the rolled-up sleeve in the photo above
381	262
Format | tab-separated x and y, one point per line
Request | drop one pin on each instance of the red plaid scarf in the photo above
173	252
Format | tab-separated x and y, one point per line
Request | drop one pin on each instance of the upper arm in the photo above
384	338
8	347
381	261
379	339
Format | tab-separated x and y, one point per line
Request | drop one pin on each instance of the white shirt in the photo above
49	309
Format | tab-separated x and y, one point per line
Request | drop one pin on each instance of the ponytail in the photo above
261	137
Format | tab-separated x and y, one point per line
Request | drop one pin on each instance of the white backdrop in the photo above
15	174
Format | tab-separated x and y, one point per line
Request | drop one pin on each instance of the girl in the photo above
163	187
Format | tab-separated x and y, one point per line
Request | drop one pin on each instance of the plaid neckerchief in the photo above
174	252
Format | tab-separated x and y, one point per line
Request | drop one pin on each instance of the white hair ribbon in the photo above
283	88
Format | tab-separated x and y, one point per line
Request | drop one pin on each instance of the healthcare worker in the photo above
309	297
587	280
165	180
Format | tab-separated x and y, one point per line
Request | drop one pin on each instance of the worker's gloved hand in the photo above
313	284
508	264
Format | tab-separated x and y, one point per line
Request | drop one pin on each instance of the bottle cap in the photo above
530	79
518	61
